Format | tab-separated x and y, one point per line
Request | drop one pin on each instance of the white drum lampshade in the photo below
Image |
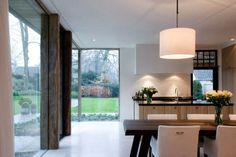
177	43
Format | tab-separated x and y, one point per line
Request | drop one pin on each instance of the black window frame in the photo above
215	69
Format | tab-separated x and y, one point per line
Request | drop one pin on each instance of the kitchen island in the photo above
181	107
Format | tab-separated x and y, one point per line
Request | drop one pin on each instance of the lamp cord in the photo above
177	13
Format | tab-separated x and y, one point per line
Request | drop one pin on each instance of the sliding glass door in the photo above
75	86
99	82
24	24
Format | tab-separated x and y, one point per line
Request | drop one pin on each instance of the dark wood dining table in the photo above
143	130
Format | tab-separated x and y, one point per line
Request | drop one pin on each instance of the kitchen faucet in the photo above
176	96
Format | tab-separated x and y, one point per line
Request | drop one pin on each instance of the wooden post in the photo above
51	85
54	81
44	82
66	43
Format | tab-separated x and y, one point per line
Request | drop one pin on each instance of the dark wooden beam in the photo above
66	53
50	80
44	82
54	81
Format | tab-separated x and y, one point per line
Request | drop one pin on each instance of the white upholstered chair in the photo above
200	116
232	116
224	145
175	141
162	116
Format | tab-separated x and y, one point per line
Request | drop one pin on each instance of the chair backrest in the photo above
178	141
226	141
232	116
162	116
200	116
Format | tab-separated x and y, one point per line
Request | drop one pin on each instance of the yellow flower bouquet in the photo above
219	99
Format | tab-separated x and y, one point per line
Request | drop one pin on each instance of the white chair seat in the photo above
200	116
232	116
175	141
162	116
224	145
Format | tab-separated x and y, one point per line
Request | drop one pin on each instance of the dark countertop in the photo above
175	103
171	101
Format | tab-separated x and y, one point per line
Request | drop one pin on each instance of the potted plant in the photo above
33	108
25	104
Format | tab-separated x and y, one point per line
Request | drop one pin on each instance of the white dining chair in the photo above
162	116
175	141
224	145
201	116
232	116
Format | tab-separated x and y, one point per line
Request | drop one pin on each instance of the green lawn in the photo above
89	105
98	105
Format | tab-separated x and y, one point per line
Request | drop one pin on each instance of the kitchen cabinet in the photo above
197	109
144	111
181	109
172	110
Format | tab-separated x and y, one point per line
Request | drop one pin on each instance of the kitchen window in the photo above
205	73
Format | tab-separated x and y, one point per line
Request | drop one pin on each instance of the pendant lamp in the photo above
177	43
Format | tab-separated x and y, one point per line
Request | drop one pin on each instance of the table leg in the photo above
145	144
135	145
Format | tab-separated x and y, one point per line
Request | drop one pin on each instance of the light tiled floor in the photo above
94	139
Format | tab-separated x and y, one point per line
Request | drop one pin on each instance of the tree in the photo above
88	78
197	90
102	61
25	38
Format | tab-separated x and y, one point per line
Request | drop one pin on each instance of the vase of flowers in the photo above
149	91
219	99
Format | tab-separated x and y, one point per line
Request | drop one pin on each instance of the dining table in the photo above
143	130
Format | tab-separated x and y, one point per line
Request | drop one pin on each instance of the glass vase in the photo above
149	99
218	119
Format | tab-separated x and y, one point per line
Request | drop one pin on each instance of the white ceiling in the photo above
125	23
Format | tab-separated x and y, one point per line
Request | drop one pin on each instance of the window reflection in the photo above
25	63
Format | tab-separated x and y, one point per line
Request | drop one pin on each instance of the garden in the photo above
99	85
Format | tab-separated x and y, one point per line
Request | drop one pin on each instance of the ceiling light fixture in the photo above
177	43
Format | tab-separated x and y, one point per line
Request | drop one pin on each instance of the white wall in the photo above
127	79
6	115
131	82
148	61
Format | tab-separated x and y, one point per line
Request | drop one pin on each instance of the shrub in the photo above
24	101
74	94
197	90
88	78
74	86
114	88
95	91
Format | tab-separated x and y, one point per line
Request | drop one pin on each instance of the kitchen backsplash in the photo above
166	84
